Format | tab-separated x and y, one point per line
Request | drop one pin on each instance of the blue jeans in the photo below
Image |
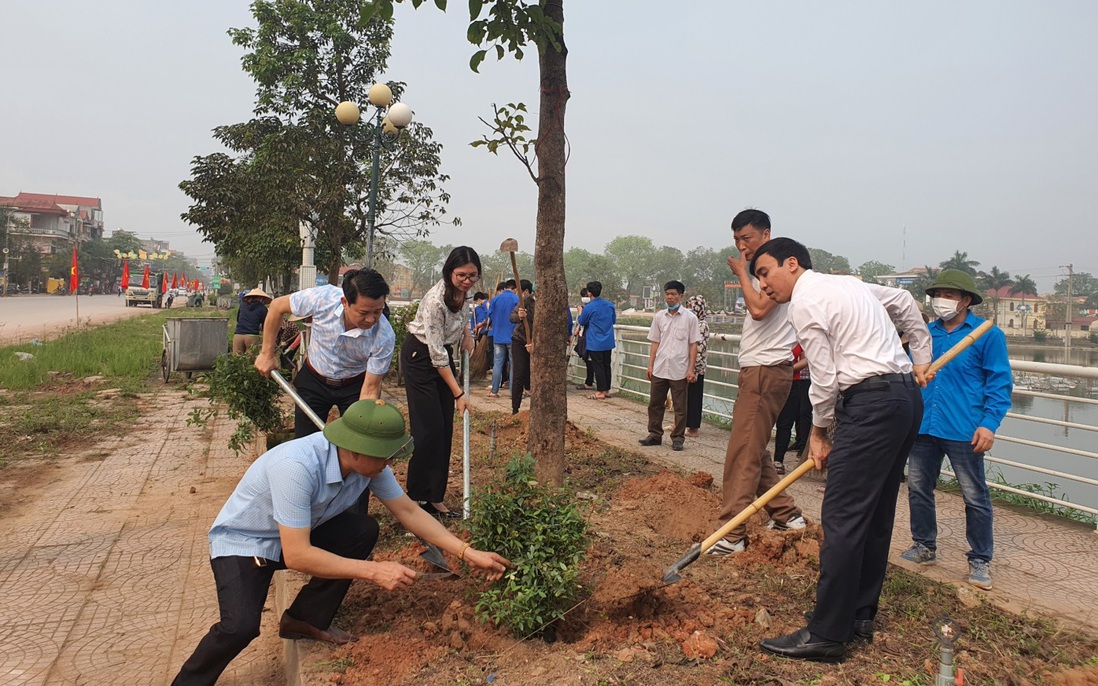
501	351
924	463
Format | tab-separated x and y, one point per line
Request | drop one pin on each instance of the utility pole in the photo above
307	273
1068	307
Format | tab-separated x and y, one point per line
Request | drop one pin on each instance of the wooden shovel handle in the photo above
960	346
518	284
754	507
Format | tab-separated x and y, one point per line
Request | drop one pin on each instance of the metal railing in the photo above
1034	380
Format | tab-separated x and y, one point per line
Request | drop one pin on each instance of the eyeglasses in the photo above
467	277
402	448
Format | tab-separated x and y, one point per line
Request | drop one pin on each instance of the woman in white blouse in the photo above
430	380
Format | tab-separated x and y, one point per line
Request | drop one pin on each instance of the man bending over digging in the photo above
293	510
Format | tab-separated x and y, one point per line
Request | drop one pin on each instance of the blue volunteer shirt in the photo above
296	484
598	319
480	313
971	391
499	311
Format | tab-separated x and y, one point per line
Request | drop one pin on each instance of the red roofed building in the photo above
52	223
1018	314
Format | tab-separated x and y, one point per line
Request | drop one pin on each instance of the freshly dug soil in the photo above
629	627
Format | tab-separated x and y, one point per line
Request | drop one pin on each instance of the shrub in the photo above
541	531
1040	335
252	400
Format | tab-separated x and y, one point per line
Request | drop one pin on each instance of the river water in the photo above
1079	439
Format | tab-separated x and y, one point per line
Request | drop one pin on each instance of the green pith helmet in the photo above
371	427
958	281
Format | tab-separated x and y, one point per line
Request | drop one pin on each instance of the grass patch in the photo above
49	404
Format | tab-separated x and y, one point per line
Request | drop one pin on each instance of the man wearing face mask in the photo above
674	337
964	405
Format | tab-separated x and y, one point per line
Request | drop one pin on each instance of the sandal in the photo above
596	396
493	395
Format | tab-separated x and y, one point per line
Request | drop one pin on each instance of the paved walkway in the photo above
104	571
104	576
1042	564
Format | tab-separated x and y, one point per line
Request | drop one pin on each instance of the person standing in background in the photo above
249	319
598	319
499	311
580	346
430	378
796	412
695	390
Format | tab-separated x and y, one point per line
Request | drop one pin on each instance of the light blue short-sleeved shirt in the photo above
297	484
335	351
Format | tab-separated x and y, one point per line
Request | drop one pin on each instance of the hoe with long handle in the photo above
673	575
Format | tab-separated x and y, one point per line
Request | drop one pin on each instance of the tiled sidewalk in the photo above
104	575
1042	564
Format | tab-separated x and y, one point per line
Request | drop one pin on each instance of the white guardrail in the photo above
1041	379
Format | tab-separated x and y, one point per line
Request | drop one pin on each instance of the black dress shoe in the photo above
676	445
800	646
435	512
648	440
863	628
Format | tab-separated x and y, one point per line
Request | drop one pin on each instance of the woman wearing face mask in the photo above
581	346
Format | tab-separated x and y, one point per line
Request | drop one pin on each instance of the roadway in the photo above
23	317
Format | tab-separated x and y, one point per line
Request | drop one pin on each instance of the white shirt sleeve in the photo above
815	340
904	311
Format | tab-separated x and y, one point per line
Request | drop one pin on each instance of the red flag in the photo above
165	288
125	275
74	273
175	280
145	278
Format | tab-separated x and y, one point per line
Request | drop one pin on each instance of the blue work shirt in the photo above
499	311
250	318
974	389
480	313
598	319
296	484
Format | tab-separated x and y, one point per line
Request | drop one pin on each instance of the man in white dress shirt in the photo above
864	383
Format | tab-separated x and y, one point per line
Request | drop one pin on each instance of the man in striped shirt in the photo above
350	348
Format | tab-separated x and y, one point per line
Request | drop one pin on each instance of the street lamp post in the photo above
387	128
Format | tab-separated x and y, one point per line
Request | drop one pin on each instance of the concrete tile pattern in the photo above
105	576
1042	564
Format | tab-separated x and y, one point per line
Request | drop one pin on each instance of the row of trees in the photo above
293	163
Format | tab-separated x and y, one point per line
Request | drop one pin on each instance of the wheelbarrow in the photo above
193	344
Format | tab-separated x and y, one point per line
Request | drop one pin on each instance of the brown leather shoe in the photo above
295	629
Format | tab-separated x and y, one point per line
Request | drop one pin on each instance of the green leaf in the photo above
441	4
476	59
475	6
499	52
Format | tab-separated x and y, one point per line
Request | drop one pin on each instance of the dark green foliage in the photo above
541	531
253	400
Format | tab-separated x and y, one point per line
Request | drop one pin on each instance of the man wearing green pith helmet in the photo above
293	510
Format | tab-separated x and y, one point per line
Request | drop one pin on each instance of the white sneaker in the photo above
723	547
795	523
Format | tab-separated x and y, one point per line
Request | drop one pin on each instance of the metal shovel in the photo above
432	554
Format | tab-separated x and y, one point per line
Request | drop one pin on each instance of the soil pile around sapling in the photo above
630	627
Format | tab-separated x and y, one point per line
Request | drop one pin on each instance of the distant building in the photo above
53	223
1017	315
902	279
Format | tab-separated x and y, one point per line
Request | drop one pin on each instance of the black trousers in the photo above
520	374
600	360
797	411
431	420
874	434
320	397
694	398
242	587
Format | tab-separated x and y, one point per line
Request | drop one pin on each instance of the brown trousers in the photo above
748	471
656	403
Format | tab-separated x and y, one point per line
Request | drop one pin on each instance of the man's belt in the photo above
878	383
336	383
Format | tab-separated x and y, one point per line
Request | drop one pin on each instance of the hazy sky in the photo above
965	126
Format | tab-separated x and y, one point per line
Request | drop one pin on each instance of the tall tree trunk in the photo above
548	401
